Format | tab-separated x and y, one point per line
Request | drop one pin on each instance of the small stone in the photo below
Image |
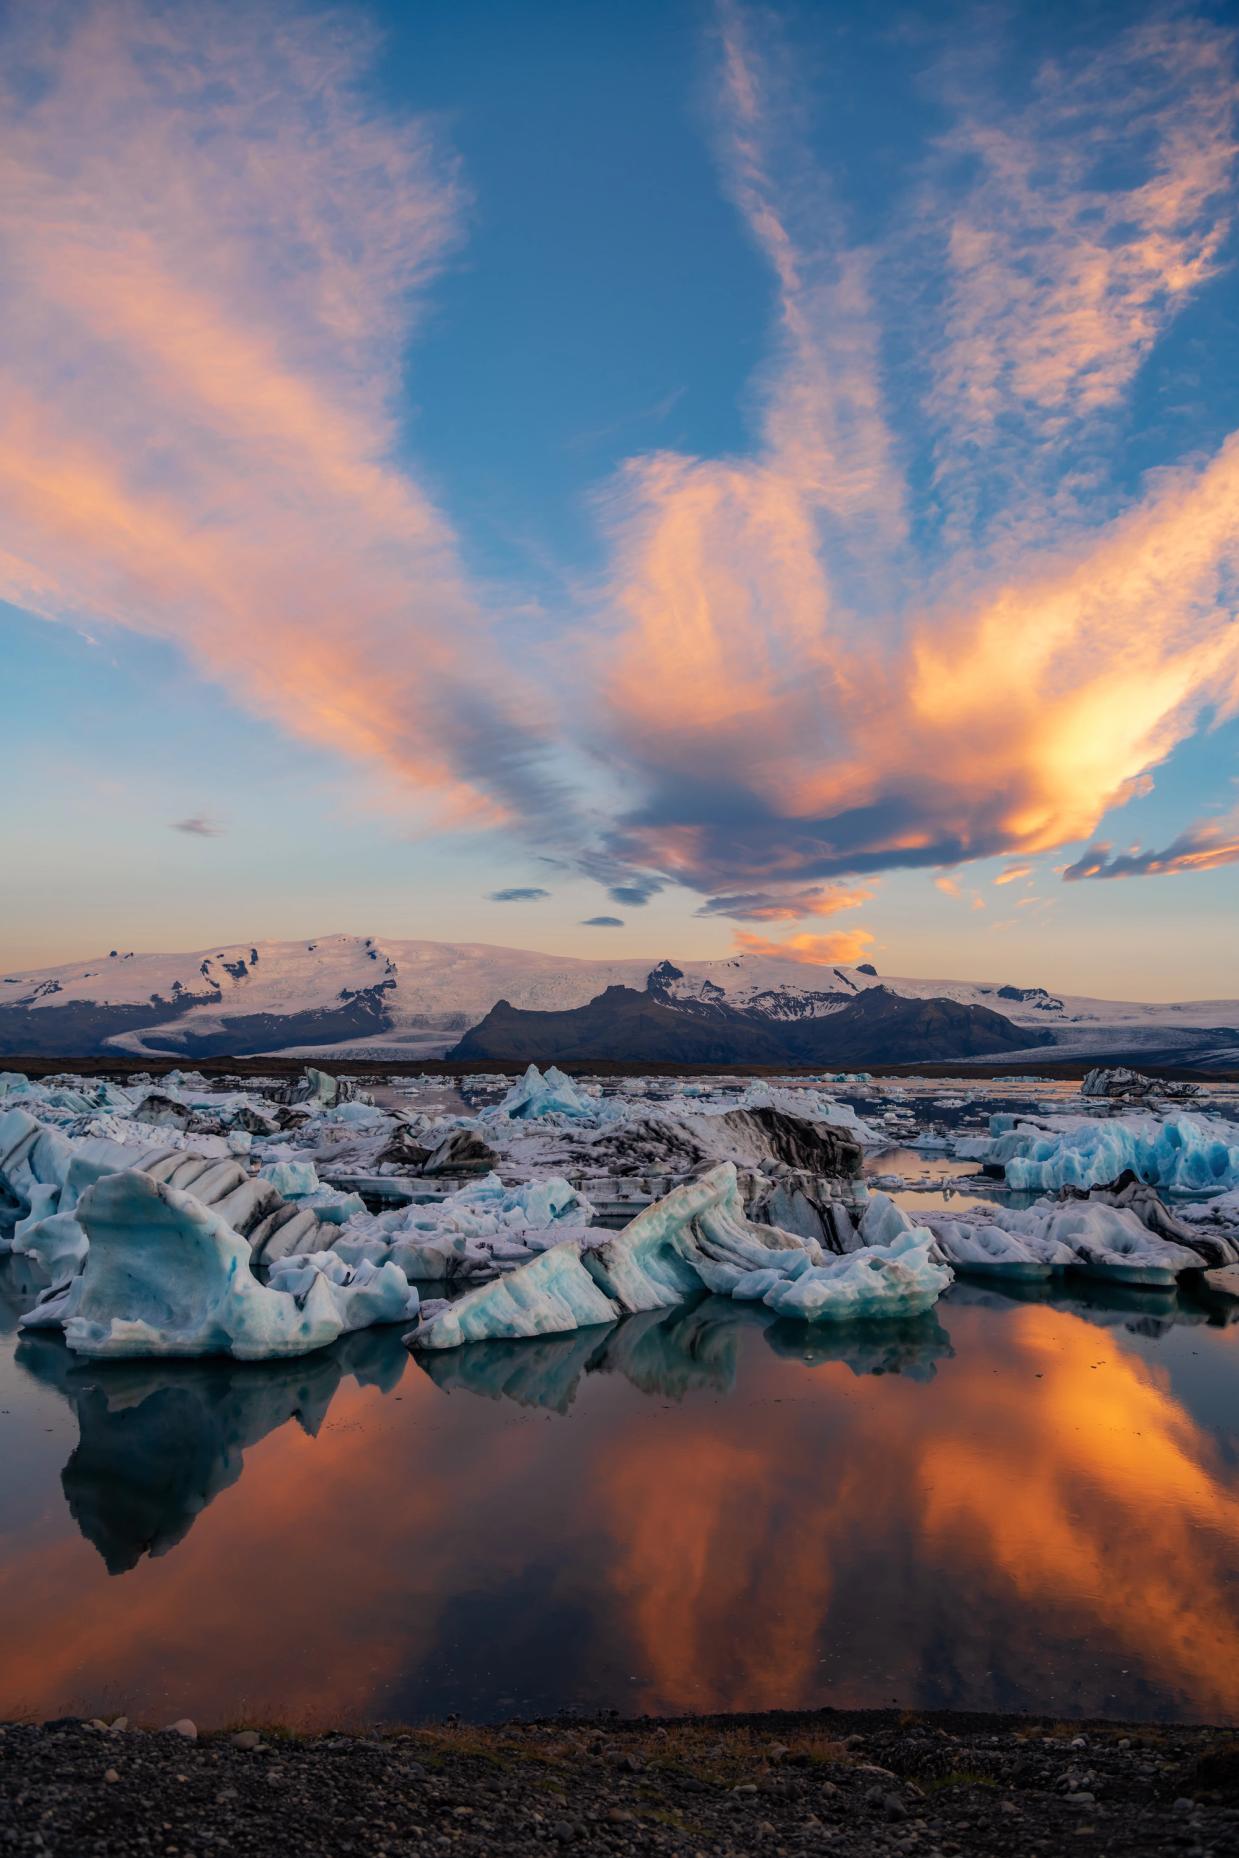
246	1738
182	1726
620	1816
111	1777
745	1787
563	1830
778	1751
1184	1805
894	1807
120	1724
1077	1742
1083	1799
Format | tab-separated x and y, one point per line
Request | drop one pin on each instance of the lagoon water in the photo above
1008	1505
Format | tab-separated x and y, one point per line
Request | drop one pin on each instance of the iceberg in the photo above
364	1294
550	1295
1185	1153
1081	1234
548	1093
697	1237
166	1275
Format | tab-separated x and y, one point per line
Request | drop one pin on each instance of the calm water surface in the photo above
1003	1505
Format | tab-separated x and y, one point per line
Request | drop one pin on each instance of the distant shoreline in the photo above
122	1065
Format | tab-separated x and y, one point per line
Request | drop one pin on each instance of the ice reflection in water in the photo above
1006	1504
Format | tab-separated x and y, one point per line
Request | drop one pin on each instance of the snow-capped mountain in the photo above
415	999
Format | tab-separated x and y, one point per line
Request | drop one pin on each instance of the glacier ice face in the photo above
166	1275
1183	1153
550	1295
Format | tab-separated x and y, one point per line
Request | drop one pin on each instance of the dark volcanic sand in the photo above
849	1783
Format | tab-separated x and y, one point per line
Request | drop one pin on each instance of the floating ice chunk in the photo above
364	1293
813	1105
166	1275
483	1228
1182	1152
697	1236
291	1178
905	1278
1089	1236
548	1093
550	1295
985	1250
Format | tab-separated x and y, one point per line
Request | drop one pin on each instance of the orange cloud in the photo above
787	906
1205	846
815	951
757	652
1013	872
211	251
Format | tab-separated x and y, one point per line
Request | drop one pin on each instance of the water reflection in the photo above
1015	1502
158	1442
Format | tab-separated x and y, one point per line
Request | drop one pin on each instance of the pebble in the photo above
246	1738
111	1776
182	1726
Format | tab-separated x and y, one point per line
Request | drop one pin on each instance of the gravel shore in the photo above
848	1783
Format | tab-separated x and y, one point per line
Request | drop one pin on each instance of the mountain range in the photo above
396	1001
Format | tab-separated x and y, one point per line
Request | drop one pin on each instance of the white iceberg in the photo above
166	1275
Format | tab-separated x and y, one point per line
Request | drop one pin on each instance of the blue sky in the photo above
767	459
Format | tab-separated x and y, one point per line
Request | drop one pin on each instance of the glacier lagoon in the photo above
1025	1499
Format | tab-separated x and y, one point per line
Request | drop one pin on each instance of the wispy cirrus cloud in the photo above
212	247
1205	846
602	922
517	893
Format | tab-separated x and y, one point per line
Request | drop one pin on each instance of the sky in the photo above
669	479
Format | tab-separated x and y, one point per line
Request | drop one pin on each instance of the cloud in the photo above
602	922
197	827
948	886
212	249
848	946
1205	846
637	893
793	690
795	668
1013	872
1096	208
518	894
759	906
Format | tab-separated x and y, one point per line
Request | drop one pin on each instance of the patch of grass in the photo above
958	1777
